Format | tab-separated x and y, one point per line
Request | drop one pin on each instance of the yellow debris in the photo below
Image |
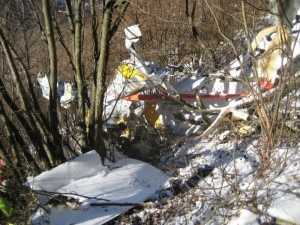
128	72
152	116
245	130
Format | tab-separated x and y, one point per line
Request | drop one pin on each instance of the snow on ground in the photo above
225	178
216	181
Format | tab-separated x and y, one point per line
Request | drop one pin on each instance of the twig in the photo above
52	193
95	204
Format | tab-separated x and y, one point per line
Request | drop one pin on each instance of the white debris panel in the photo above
65	91
86	184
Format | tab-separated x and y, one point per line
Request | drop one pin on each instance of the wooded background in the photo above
82	42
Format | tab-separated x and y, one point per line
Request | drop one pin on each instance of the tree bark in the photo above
53	115
79	77
101	77
106	34
91	112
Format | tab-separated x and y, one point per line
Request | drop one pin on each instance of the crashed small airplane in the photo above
143	89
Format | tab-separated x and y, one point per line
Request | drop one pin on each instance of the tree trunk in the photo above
101	78
79	77
108	29
53	116
91	112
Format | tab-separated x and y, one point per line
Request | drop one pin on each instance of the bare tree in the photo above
53	116
79	75
27	124
107	31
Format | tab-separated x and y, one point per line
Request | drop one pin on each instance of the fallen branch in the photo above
233	109
224	112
